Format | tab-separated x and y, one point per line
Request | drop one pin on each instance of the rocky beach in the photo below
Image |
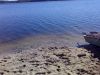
50	61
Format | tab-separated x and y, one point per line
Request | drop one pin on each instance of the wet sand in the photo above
38	41
51	60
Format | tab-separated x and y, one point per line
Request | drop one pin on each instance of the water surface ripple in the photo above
58	17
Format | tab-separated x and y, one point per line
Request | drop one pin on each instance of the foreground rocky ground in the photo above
50	61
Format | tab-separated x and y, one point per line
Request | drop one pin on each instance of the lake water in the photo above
19	20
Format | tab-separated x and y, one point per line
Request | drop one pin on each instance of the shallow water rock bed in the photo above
50	61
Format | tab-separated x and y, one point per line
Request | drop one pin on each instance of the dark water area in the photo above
19	20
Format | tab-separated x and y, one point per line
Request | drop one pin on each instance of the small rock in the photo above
14	71
50	48
64	47
41	73
60	54
31	69
49	72
58	70
36	65
24	65
1	73
58	66
6	70
47	64
33	61
20	71
4	60
7	57
22	60
68	73
81	55
82	71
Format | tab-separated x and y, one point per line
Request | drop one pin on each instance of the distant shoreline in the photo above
30	1
15	1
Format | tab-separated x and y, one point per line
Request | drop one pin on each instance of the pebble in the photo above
81	55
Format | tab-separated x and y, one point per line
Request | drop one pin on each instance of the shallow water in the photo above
65	17
19	20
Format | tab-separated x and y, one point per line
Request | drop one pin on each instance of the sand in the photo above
50	61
